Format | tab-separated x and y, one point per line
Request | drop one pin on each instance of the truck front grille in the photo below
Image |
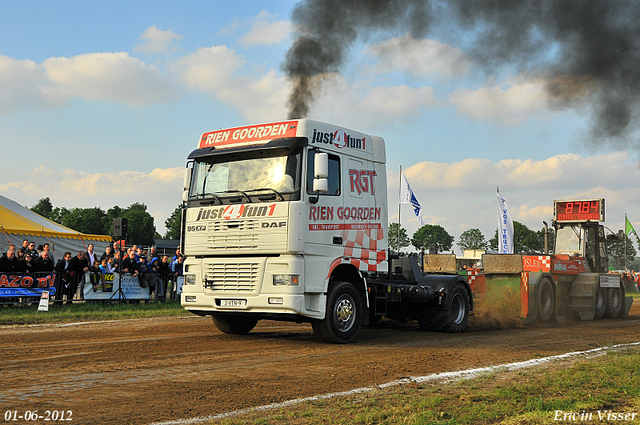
232	277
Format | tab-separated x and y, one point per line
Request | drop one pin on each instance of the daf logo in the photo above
274	224
196	228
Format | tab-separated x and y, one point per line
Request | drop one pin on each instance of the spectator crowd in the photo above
151	269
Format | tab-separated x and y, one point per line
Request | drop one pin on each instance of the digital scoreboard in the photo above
579	211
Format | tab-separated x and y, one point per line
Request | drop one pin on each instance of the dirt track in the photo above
141	371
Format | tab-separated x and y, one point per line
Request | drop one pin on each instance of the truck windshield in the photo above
254	176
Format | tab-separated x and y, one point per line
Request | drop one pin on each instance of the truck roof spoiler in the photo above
290	142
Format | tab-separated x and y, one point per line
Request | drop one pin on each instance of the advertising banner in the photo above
108	285
21	285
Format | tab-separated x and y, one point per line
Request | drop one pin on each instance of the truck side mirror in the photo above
321	172
186	184
321	165
320	185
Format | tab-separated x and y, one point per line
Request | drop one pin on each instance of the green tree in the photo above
58	214
173	223
85	220
525	240
472	239
140	225
394	242
44	207
616	253
432	233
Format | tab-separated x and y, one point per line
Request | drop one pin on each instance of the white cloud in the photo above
160	189
462	195
420	58
108	76
22	83
157	40
215	69
372	107
266	30
209	68
509	107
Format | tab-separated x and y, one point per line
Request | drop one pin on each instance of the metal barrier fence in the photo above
69	288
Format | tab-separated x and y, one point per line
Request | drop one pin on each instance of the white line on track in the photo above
445	377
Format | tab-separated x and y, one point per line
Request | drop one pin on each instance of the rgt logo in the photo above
339	139
362	181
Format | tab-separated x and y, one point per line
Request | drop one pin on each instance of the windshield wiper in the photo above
267	189
213	195
236	191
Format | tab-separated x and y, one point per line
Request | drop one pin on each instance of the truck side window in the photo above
334	174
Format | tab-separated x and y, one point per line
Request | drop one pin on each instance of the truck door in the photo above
325	219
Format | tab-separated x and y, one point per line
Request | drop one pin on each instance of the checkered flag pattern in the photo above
472	275
545	261
361	247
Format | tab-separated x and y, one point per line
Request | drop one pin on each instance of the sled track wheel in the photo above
615	301
600	302
545	300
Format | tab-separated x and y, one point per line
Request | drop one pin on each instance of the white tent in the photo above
18	223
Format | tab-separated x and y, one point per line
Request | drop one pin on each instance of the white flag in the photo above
505	227
407	197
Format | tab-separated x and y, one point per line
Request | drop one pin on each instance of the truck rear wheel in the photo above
454	318
229	324
615	302
343	317
600	302
545	300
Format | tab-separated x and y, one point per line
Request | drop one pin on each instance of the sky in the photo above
101	102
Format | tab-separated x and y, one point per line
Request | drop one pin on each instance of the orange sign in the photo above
252	133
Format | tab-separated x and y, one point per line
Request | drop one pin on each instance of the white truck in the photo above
288	221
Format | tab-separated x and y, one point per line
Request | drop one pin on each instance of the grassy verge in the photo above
584	392
80	312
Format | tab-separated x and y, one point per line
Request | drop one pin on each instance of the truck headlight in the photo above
189	279
286	280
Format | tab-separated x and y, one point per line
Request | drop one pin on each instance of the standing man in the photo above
9	261
65	279
108	252
153	253
44	263
79	267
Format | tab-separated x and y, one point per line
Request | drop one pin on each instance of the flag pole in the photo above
399	205
625	241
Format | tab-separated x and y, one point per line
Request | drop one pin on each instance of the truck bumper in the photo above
286	304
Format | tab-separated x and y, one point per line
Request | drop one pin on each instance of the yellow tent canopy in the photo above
18	223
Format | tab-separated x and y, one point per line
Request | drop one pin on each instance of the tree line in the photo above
526	241
96	221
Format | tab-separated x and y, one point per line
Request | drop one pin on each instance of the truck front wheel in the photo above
234	324
343	317
454	318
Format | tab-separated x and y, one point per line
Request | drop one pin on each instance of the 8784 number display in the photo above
35	415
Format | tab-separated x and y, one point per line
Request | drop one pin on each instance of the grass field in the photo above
82	312
600	390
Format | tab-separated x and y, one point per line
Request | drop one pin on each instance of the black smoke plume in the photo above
587	50
327	28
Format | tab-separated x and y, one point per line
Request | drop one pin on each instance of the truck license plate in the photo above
233	303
